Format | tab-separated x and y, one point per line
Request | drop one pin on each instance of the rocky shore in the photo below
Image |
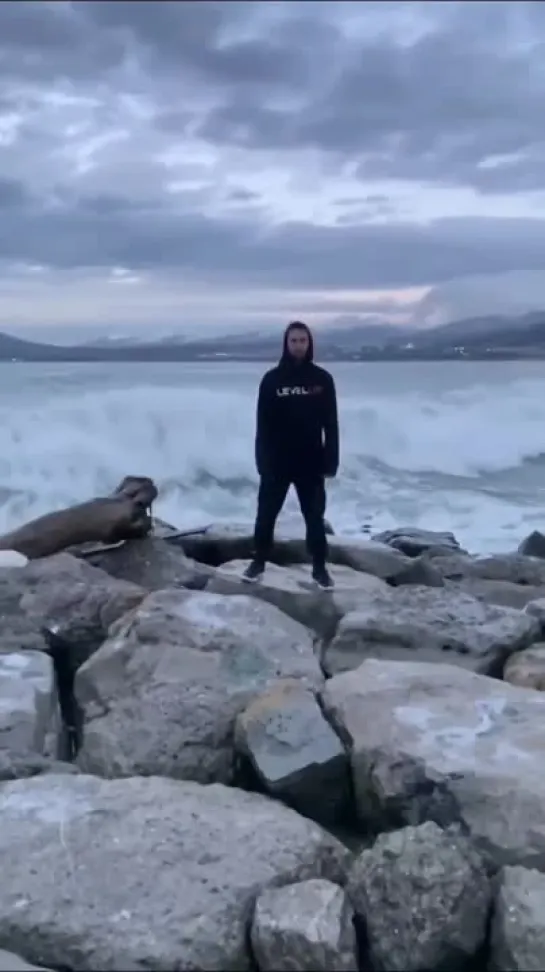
198	774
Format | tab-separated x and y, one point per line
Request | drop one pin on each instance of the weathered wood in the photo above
125	515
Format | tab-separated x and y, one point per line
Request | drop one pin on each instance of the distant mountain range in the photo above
350	339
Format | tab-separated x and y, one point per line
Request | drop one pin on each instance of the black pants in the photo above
312	500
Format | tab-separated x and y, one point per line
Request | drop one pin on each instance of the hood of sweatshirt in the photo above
287	358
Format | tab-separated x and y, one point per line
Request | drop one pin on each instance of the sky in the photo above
203	166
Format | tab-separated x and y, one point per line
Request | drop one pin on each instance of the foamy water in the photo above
447	446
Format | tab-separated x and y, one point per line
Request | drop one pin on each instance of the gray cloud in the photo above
101	231
470	88
186	139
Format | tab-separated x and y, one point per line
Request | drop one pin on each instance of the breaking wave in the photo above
450	454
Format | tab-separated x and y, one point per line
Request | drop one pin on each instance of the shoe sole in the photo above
252	580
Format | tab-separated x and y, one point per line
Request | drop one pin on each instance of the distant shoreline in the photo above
173	356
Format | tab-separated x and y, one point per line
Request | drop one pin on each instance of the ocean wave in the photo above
465	457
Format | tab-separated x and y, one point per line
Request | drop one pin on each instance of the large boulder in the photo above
295	753
430	624
437	742
162	694
151	563
424	896
292	590
73	600
307	927
518	926
142	874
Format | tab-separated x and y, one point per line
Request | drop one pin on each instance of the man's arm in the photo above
331	430
263	425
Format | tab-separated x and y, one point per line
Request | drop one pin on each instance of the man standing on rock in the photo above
297	443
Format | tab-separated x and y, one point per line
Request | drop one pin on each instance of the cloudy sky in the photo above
180	165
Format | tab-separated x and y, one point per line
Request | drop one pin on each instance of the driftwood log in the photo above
124	515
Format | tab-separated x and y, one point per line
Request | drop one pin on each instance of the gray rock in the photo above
518	927
18	632
419	572
151	563
18	764
368	556
413	541
292	590
430	624
533	545
162	694
453	565
29	710
437	742
14	963
295	753
145	873
502	592
527	668
217	543
425	898
304	927
512	567
74	600
62	593
536	609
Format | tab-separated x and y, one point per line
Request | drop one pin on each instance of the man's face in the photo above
298	343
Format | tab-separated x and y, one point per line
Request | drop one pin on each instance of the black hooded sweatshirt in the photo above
297	425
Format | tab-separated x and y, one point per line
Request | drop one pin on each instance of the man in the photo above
297	443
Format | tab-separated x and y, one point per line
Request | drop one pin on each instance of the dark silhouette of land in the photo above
474	339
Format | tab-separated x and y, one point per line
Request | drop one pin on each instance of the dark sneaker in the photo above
253	572
322	577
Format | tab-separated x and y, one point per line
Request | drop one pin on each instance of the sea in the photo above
454	446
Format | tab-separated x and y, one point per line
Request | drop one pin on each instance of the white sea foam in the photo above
441	448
